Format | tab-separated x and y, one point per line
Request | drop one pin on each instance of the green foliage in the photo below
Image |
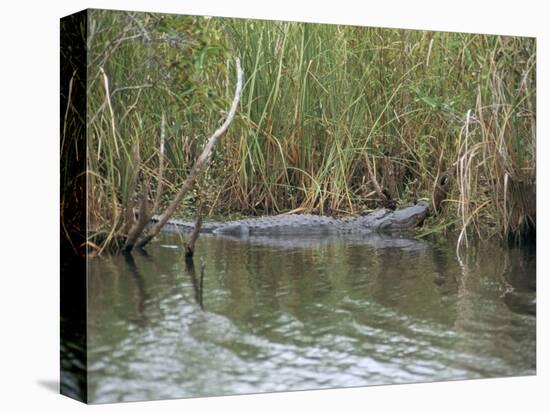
317	100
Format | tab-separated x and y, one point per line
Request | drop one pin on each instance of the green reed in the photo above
317	100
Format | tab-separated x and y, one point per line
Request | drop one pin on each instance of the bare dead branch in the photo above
200	164
190	246
129	204
156	205
143	218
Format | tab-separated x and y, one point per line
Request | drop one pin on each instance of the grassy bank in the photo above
320	104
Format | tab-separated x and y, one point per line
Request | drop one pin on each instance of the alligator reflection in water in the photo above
316	313
373	240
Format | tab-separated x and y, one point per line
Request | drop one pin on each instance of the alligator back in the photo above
281	225
305	224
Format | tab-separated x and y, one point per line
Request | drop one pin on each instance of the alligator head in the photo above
400	220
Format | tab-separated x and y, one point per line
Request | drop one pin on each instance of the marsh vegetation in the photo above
324	108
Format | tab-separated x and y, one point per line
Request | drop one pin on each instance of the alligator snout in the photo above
404	219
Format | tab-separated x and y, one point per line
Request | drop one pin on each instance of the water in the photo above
280	315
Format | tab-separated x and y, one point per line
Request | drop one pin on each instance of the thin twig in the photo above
66	117
129	204
139	88
156	205
144	32
373	179
463	176
190	246
143	218
108	100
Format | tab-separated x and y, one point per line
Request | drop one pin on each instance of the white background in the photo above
29	262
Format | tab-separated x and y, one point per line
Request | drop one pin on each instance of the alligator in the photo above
379	221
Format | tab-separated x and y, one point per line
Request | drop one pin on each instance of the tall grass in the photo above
318	100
